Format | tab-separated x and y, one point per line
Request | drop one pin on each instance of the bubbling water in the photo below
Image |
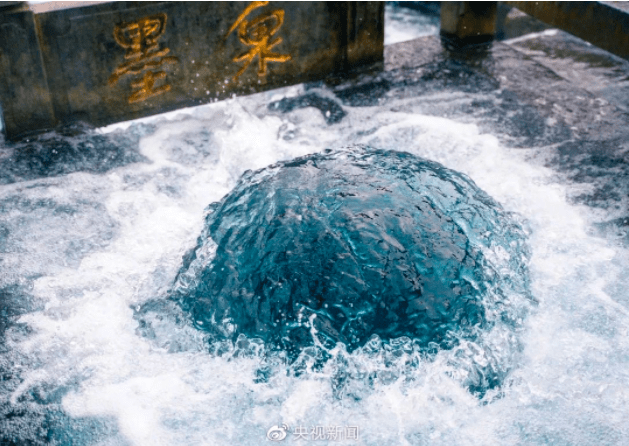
357	245
91	247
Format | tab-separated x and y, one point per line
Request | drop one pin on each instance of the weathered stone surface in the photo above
114	61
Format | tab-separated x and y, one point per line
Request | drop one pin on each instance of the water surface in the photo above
86	240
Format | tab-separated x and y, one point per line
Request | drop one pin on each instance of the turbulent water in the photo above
410	21
355	245
93	228
83	251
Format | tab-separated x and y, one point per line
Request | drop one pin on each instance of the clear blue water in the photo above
350	246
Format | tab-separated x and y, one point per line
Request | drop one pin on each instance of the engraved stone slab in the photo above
114	61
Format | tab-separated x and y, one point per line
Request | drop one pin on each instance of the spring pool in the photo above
94	226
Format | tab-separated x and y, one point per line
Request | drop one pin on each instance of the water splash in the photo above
353	245
76	350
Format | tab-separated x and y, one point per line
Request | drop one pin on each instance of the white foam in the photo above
159	396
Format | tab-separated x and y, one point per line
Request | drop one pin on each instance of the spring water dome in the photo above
341	246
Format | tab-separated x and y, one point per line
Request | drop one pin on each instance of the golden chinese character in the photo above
146	89
257	34
139	38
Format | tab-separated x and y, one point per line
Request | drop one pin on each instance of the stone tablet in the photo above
106	62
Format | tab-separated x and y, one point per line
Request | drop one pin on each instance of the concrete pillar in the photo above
468	23
24	97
